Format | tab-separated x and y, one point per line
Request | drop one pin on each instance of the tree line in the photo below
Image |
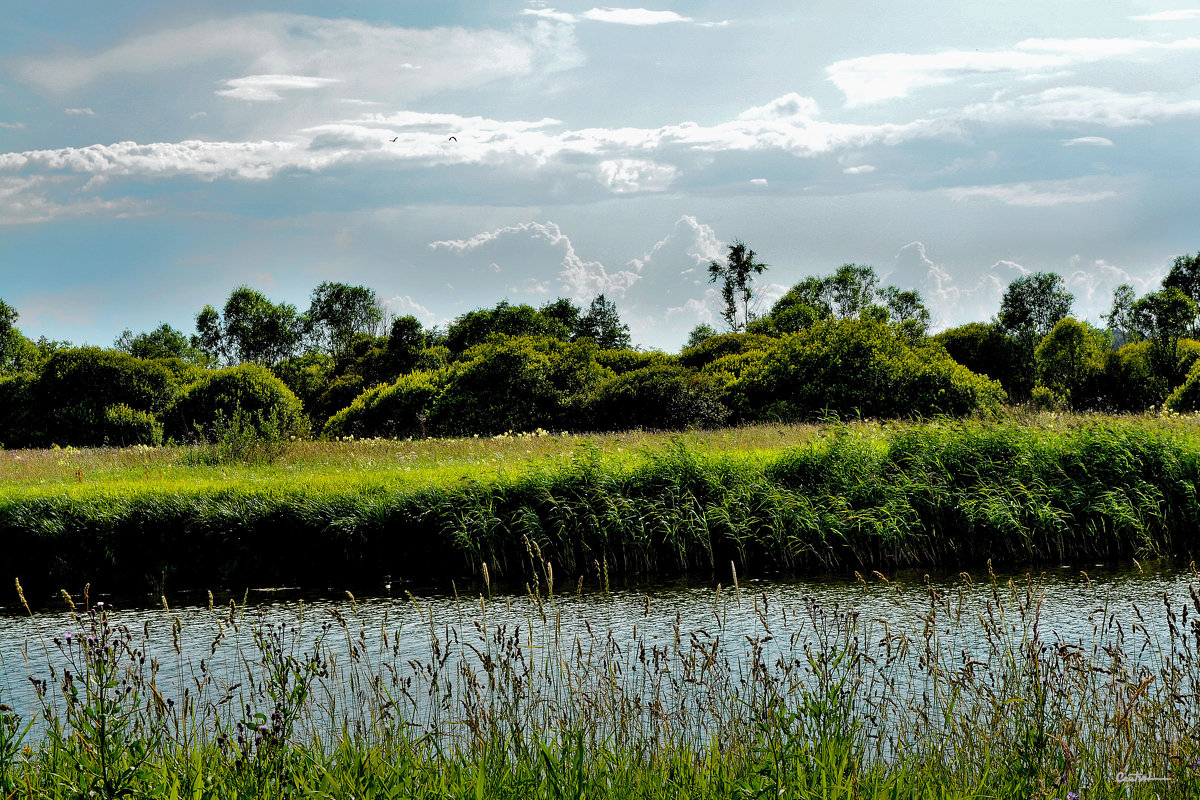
835	344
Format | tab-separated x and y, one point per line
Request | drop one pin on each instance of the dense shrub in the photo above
726	344
17	422
1186	398
503	385
862	367
89	376
1070	362
986	350
248	389
660	397
1131	382
622	361
395	409
69	402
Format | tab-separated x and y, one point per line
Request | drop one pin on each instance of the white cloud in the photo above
1042	194
79	112
1083	105
372	61
625	175
862	169
267	88
619	16
760	182
1088	141
15	126
403	305
1169	16
633	16
886	76
580	279
551	14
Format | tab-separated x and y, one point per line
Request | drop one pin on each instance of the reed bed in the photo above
972	697
941	493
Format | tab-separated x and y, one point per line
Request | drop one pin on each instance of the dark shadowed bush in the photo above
662	397
985	349
852	366
248	389
17	422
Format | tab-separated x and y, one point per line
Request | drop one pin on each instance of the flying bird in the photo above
453	139
394	138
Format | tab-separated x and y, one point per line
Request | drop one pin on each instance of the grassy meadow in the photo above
770	498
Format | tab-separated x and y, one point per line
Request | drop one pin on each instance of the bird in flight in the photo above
394	138
453	138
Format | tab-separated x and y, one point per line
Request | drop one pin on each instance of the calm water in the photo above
214	649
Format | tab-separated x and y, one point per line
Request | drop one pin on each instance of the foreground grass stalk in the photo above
975	698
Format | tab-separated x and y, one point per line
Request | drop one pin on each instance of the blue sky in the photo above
153	156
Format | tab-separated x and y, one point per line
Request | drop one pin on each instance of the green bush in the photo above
123	426
1131	382
1186	398
391	410
659	397
986	350
89	376
1070	362
853	366
17	422
503	385
622	361
251	389
727	344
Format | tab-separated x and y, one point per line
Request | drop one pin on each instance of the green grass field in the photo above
939	493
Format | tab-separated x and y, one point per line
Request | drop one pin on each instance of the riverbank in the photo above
545	509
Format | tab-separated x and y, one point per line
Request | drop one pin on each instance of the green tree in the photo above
337	313
736	276
162	342
1032	305
563	312
852	290
250	329
906	309
1070	361
698	334
17	354
1185	276
1120	316
602	324
477	327
1163	318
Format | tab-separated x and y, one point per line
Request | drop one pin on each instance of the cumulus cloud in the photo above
580	279
260	88
403	305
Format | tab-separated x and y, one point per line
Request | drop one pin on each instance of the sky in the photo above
453	154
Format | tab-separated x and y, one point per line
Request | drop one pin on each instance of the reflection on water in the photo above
661	644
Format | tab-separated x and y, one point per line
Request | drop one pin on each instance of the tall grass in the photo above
973	698
940	493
